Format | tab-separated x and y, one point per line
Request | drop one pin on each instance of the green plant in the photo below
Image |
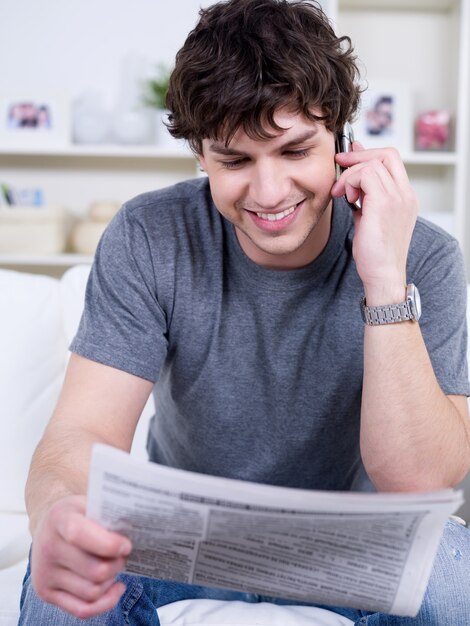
155	89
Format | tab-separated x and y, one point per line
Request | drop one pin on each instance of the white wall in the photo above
51	48
77	45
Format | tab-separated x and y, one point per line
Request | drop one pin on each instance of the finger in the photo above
80	584
96	569
85	610
345	183
353	195
371	177
86	590
90	536
368	177
390	157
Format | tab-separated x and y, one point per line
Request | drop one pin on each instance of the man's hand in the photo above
385	223
75	560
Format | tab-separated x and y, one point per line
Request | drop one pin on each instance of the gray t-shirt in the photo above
258	372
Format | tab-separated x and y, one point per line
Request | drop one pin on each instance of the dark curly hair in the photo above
245	59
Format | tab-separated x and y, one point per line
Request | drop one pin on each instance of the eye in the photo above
298	154
230	165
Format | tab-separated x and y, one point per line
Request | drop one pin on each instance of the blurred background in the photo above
82	86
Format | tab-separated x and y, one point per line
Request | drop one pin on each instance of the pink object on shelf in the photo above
433	130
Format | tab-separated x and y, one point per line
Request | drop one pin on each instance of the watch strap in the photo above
389	314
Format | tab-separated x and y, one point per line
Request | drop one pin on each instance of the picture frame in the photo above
385	116
34	120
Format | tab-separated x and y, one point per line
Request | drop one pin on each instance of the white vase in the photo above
134	127
90	120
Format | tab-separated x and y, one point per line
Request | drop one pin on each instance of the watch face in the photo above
414	299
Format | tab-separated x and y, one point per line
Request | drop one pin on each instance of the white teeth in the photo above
274	217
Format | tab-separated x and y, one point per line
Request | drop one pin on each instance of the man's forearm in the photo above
74	560
59	468
413	438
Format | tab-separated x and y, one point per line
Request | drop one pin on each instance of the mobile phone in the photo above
343	143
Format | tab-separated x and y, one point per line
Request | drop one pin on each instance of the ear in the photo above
202	161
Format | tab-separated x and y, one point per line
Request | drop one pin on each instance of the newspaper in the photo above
364	550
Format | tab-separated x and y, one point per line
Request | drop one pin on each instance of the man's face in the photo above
276	192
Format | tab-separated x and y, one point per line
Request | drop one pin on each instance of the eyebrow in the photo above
220	148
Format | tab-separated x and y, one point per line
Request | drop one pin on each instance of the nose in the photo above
269	185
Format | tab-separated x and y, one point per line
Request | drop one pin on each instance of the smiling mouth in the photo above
274	217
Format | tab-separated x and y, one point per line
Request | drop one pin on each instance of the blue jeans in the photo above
446	602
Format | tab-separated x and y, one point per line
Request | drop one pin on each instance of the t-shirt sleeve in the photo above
123	324
439	274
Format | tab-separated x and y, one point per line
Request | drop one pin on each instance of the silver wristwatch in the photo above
393	313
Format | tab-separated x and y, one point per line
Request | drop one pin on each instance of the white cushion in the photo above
32	354
14	538
72	298
221	613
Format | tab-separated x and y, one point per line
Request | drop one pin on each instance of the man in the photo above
236	298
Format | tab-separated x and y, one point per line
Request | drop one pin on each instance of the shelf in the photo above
429	158
51	260
103	150
398	5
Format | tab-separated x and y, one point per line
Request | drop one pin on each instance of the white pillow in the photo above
15	539
72	295
235	613
32	356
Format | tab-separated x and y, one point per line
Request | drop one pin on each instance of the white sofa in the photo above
38	318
